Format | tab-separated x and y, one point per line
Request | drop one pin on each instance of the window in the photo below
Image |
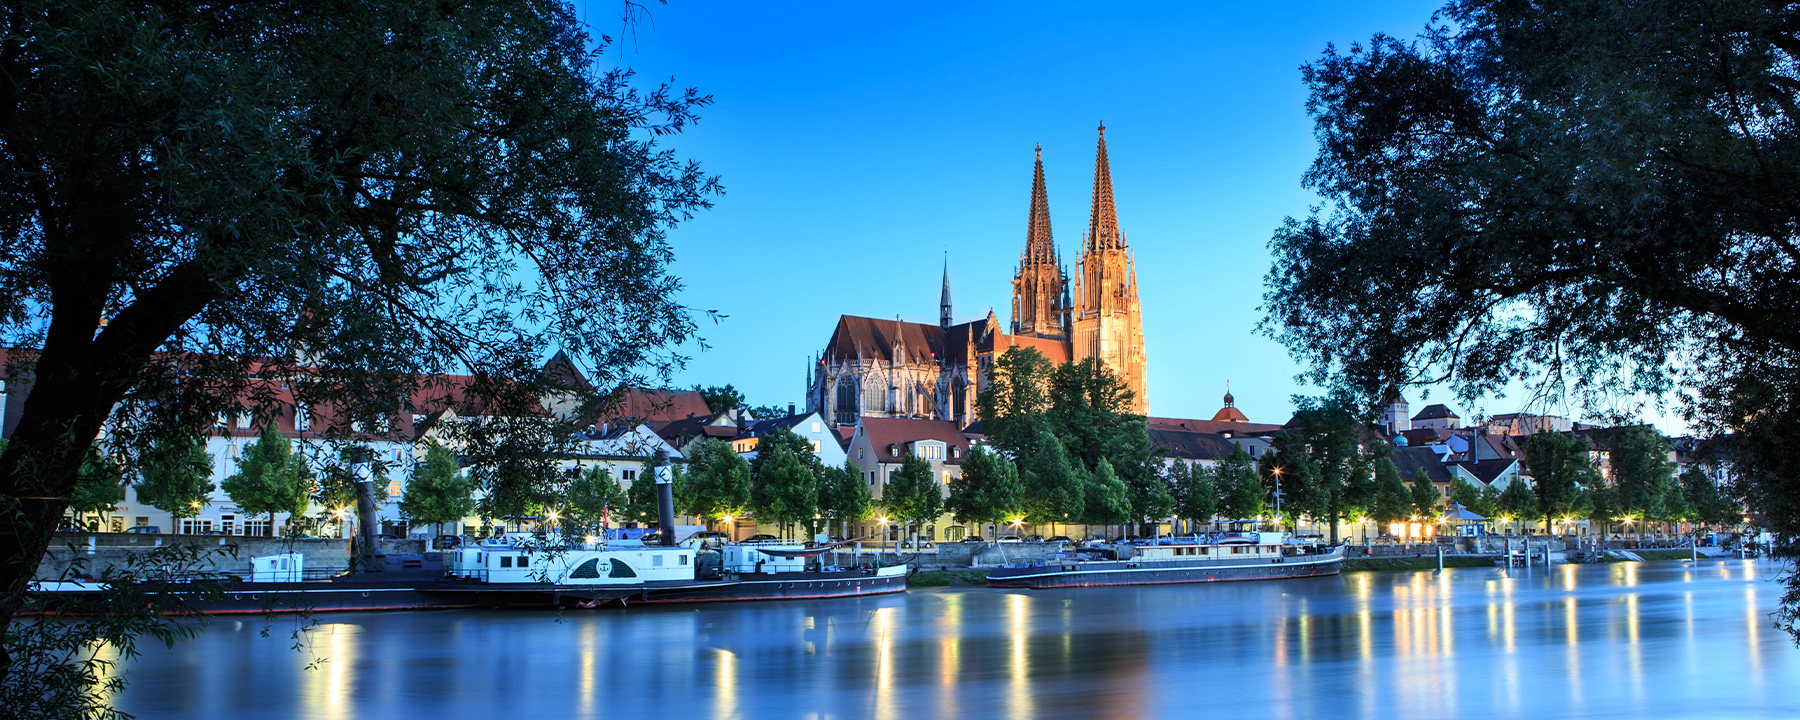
143	521
505	561
683	559
656	560
859	454
815	446
243	421
302	418
393	488
629	475
815	426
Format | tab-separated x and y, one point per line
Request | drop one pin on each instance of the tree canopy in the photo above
1593	198
718	480
437	493
325	206
271	478
988	492
175	476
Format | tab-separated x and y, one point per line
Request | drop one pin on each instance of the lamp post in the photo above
1277	472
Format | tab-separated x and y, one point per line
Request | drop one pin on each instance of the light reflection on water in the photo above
1652	640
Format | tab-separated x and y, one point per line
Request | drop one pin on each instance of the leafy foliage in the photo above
175	476
1194	491
437	492
1592	197
1424	495
271	478
911	493
1559	469
843	496
1393	501
718	480
1240	491
593	497
719	399
255	221
784	486
989	491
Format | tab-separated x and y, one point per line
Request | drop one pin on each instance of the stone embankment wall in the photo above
221	553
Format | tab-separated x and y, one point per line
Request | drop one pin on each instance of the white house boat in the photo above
1199	558
630	572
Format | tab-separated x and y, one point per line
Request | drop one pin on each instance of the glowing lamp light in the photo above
728	518
1018	520
551	516
883	520
591	539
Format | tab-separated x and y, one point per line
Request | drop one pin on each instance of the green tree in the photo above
1054	491
175	476
594	497
912	495
271	478
988	492
719	399
1332	438
1290	470
286	225
718	480
1108	498
1466	494
1195	491
1554	211
1013	405
784	487
640	499
1240	491
100	487
1393	501
1710	506
1490	501
438	493
1518	501
844	497
1424	495
1559	469
1641	471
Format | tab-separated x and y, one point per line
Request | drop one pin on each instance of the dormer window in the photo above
894	450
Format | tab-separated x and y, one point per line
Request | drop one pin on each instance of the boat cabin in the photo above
1225	546
604	566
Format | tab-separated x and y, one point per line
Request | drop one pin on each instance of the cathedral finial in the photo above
1103	219
1229	400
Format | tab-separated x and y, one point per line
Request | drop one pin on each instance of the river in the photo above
1628	640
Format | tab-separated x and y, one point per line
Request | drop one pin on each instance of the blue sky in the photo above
859	143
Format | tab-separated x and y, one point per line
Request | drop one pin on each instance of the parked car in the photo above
1009	539
764	537
710	538
447	542
1060	538
972	538
144	530
386	536
1034	538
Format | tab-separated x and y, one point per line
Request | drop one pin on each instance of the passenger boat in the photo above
1197	558
628	572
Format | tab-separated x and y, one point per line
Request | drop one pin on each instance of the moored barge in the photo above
1203	558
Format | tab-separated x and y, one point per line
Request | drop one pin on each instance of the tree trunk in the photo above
77	380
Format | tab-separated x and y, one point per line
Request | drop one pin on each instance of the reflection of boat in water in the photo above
1199	558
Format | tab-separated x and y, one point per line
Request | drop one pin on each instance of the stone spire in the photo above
1103	218
1039	283
944	304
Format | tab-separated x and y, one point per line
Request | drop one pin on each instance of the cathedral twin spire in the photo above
1104	321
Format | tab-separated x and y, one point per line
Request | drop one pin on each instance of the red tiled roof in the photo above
1212	426
874	338
656	407
1230	414
883	432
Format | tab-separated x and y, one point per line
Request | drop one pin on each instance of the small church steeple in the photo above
944	304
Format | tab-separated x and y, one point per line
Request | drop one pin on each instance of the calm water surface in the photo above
1627	640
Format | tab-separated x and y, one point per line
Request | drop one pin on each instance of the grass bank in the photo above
1420	563
947	578
1663	554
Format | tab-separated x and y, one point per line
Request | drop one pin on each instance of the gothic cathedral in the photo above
1104	321
892	368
